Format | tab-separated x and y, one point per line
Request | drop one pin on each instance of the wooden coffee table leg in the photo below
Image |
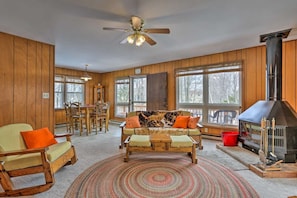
194	158
126	158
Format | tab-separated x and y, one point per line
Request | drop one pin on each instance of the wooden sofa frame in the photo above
197	138
47	167
191	151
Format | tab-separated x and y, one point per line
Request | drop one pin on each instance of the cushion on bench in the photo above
181	141
140	140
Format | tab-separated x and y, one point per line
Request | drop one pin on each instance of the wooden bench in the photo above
161	143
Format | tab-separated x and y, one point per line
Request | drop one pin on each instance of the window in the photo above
138	94
121	97
68	89
130	95
212	92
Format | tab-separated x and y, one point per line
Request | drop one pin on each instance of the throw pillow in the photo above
181	122
192	124
169	118
38	138
132	122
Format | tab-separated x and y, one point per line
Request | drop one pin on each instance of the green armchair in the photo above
17	160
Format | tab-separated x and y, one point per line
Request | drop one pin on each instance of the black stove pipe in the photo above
274	63
274	68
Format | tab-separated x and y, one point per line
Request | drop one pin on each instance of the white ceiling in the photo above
198	27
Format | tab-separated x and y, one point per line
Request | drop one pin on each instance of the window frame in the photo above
65	79
202	109
125	105
130	105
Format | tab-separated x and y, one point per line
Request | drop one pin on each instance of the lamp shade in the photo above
131	38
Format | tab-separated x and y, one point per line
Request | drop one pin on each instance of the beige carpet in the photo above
94	148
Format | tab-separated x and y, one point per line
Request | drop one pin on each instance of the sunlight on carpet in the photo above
159	175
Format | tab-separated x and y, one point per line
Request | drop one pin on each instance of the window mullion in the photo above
205	98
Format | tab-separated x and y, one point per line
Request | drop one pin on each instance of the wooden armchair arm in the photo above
23	151
67	135
123	124
199	125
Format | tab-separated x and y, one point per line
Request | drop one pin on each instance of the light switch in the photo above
45	95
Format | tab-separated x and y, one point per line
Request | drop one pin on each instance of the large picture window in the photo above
68	89
212	92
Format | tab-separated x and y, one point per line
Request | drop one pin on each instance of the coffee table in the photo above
158	143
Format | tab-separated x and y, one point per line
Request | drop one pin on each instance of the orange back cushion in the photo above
181	122
132	122
38	138
192	124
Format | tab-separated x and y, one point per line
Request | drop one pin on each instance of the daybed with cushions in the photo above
25	151
165	122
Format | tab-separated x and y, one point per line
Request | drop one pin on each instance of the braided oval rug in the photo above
159	175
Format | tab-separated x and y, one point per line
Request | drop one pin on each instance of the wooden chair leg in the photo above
5	180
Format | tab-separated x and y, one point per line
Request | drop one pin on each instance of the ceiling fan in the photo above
139	35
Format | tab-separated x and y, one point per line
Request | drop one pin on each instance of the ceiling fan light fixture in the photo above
86	77
140	40
131	38
139	35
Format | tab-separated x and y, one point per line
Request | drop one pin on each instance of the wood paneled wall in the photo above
26	71
254	63
254	75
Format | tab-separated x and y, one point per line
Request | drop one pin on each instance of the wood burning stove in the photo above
285	134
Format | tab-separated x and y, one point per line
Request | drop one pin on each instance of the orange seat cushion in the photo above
181	122
132	122
38	138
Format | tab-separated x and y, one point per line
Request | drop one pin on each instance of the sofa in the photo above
176	122
24	151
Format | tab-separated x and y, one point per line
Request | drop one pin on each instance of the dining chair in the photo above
100	116
69	128
78	117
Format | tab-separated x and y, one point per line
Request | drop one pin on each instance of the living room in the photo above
29	66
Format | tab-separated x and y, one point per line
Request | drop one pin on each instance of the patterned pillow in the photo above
169	118
144	117
154	123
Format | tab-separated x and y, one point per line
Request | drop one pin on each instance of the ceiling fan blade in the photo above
149	40
157	30
124	41
116	29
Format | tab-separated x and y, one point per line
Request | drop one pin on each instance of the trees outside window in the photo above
130	95
212	92
122	97
68	89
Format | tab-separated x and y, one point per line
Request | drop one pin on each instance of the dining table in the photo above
88	109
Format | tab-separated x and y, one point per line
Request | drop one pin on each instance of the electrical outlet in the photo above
45	95
205	130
